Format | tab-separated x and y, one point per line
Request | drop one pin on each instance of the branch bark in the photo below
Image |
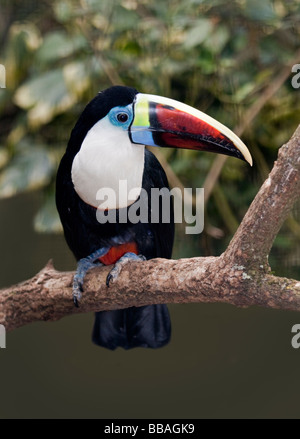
240	276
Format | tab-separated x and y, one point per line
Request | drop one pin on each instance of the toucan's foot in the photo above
114	272
83	266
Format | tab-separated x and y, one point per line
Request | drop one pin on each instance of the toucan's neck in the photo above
104	159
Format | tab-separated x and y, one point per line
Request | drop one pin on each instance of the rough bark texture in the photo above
240	276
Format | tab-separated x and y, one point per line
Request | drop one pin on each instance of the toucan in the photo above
106	150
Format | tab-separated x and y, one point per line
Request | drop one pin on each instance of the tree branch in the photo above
240	276
253	240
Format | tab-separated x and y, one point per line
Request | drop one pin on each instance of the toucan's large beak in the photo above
162	121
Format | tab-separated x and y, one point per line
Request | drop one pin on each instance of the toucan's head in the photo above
109	138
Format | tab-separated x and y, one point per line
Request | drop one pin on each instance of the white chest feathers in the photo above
108	166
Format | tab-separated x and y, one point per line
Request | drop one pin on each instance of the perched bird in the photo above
106	151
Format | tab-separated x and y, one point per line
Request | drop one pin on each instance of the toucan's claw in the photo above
114	272
77	290
83	266
75	300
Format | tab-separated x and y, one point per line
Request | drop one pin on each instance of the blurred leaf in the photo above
261	10
243	92
59	45
45	97
217	39
30	169
64	10
198	33
47	219
77	78
24	40
123	18
206	63
4	157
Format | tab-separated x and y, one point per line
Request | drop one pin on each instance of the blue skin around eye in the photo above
114	113
140	135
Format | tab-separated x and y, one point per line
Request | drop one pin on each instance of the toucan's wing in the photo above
155	177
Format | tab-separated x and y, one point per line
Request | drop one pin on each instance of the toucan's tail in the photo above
146	326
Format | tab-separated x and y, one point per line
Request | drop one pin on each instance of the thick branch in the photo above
253	240
240	276
48	295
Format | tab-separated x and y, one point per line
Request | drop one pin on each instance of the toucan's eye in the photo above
122	117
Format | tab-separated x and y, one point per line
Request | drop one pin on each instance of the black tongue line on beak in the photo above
201	143
186	140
